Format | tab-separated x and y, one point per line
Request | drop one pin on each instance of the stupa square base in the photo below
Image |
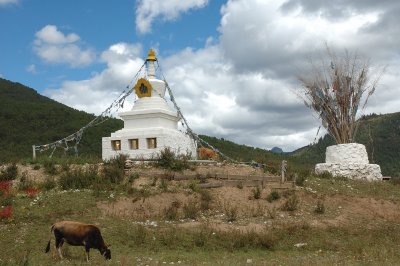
368	172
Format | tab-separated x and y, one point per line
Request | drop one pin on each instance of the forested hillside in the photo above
28	118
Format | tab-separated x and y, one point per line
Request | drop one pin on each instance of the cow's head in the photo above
106	252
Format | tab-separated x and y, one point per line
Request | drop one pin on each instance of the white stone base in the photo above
368	172
178	141
349	160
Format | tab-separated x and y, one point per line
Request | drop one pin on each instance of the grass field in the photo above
151	221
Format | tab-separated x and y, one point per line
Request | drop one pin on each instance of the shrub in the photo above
163	185
78	178
301	177
320	208
206	199
132	177
10	173
24	183
274	195
48	184
167	159
256	192
290	204
231	212
272	213
113	169
190	210
171	212
6	201
194	186
50	167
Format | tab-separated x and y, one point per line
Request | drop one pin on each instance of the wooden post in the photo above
34	152
283	170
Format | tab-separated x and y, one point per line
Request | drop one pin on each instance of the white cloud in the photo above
31	69
53	46
241	85
149	10
8	2
96	93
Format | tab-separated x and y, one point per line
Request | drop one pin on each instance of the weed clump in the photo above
113	169
256	193
167	159
231	212
50	167
274	195
171	212
206	199
291	203
78	178
10	173
190	210
320	208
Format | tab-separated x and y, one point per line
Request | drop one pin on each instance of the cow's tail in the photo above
48	243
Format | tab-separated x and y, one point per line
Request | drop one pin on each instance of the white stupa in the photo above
151	125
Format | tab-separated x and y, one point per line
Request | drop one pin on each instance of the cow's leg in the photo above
87	249
59	243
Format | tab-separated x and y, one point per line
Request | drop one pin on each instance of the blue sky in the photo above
99	25
232	64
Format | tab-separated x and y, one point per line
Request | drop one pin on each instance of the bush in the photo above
49	167
167	159
163	185
190	210
171	213
231	212
206	199
291	203
113	169
48	184
132	177
274	195
257	192
320	209
78	178
10	173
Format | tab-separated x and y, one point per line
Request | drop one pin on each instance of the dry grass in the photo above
359	224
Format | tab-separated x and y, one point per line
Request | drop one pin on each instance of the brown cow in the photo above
78	234
206	154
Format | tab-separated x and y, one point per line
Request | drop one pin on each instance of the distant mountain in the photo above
28	118
277	150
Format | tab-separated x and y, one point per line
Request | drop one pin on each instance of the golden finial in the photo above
151	56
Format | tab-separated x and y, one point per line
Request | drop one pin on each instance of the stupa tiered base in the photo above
349	160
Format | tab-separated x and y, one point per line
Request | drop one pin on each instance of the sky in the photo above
232	65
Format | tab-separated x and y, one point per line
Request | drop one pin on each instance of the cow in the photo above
206	154
78	234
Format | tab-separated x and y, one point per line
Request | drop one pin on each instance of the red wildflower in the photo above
6	212
31	192
5	186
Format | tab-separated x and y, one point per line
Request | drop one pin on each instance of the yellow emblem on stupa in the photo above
143	88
